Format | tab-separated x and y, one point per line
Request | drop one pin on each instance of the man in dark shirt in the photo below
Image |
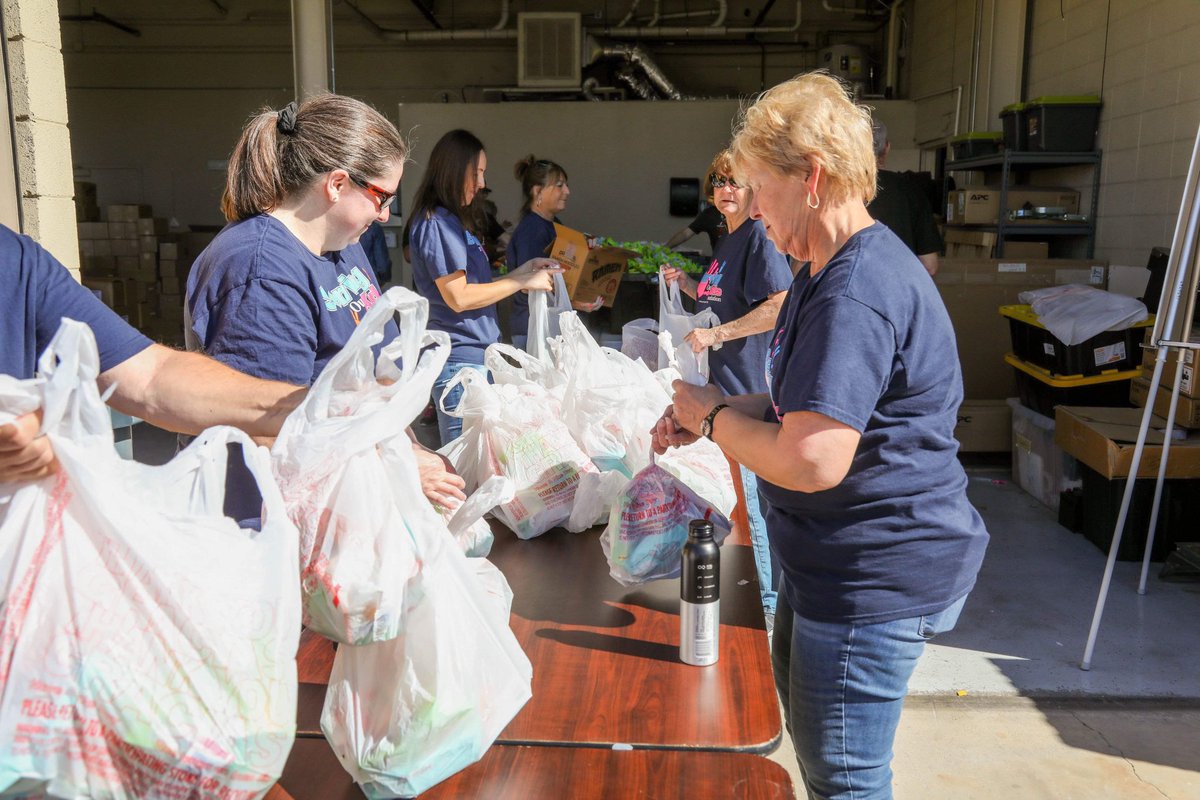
903	207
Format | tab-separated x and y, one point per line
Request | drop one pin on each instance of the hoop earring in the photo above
811	204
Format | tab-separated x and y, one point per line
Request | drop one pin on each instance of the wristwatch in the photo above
706	427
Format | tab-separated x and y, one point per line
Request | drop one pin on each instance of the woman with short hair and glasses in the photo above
451	269
282	287
744	285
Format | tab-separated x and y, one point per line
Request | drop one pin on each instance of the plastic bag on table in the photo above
345	464
517	431
544	308
639	339
648	524
674	324
511	365
594	498
404	714
466	522
147	643
703	468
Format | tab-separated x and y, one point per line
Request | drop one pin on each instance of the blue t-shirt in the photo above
867	342
746	269
259	301
531	239
35	294
441	246
374	244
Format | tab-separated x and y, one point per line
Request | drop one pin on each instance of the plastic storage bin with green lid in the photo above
1106	352
976	144
1062	123
1016	134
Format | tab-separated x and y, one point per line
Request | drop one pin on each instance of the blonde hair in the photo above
281	152
807	121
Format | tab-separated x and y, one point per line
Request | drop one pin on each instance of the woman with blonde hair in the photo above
853	441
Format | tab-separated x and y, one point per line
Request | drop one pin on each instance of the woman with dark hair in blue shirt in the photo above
451	269
545	192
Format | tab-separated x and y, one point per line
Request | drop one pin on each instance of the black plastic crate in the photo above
1100	504
1106	352
1016	130
976	144
1041	391
1061	124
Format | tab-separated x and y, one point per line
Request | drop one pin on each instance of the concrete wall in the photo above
38	99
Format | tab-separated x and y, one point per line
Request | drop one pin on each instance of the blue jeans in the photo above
450	428
758	538
842	686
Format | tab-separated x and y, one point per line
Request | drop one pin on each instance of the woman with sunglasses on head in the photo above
280	290
744	285
451	269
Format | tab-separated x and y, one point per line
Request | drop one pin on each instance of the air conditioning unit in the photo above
549	50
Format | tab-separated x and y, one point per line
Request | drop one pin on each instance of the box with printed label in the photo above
589	272
1107	351
980	205
1187	410
1188	384
983	426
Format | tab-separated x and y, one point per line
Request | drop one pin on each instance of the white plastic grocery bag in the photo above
639	339
674	324
648	525
349	477
516	430
404	714
147	643
466	522
544	308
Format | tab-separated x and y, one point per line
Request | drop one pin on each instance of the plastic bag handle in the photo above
491	493
465	377
71	404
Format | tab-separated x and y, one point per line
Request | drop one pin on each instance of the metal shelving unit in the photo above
1007	162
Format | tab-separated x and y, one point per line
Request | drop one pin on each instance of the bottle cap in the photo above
700	529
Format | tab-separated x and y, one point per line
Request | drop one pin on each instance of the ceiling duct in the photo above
651	80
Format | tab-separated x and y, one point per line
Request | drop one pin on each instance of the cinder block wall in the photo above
39	107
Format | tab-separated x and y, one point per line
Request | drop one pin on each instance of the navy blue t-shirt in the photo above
867	342
261	302
35	294
531	239
745	270
441	246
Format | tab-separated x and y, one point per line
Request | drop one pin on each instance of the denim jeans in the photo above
842	686
758	539
449	428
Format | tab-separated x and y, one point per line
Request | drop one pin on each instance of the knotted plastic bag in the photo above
147	643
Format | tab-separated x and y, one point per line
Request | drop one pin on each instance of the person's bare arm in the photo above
462	295
679	237
759	319
188	392
930	262
687	284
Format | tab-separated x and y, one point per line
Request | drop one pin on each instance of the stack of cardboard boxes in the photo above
139	267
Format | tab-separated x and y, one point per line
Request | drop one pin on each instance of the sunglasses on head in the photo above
382	195
720	182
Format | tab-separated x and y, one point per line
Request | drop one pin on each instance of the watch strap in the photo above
706	427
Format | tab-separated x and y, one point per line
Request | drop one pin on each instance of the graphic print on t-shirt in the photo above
355	291
709	288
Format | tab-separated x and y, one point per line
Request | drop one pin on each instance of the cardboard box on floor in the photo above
984	426
589	272
973	291
1104	439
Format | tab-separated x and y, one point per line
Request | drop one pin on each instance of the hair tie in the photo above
287	119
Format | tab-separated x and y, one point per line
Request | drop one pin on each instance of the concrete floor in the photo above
998	708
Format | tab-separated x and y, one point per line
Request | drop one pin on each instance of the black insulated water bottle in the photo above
699	596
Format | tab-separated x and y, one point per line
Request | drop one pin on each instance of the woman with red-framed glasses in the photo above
280	290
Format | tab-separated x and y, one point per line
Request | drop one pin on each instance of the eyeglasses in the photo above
382	195
720	182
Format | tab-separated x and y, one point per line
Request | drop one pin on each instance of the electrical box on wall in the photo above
685	197
549	50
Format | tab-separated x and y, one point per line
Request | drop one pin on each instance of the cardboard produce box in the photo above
589	272
1104	439
973	291
1187	410
984	426
980	205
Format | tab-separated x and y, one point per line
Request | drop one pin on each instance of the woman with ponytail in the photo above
280	290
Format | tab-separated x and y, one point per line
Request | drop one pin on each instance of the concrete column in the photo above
38	91
310	46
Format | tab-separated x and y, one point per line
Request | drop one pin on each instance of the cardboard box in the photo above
127	266
1187	410
1031	250
168	282
974	290
99	266
984	426
980	205
148	244
1188	384
152	226
589	272
112	291
92	230
124	247
969	244
168	250
1104	439
128	213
